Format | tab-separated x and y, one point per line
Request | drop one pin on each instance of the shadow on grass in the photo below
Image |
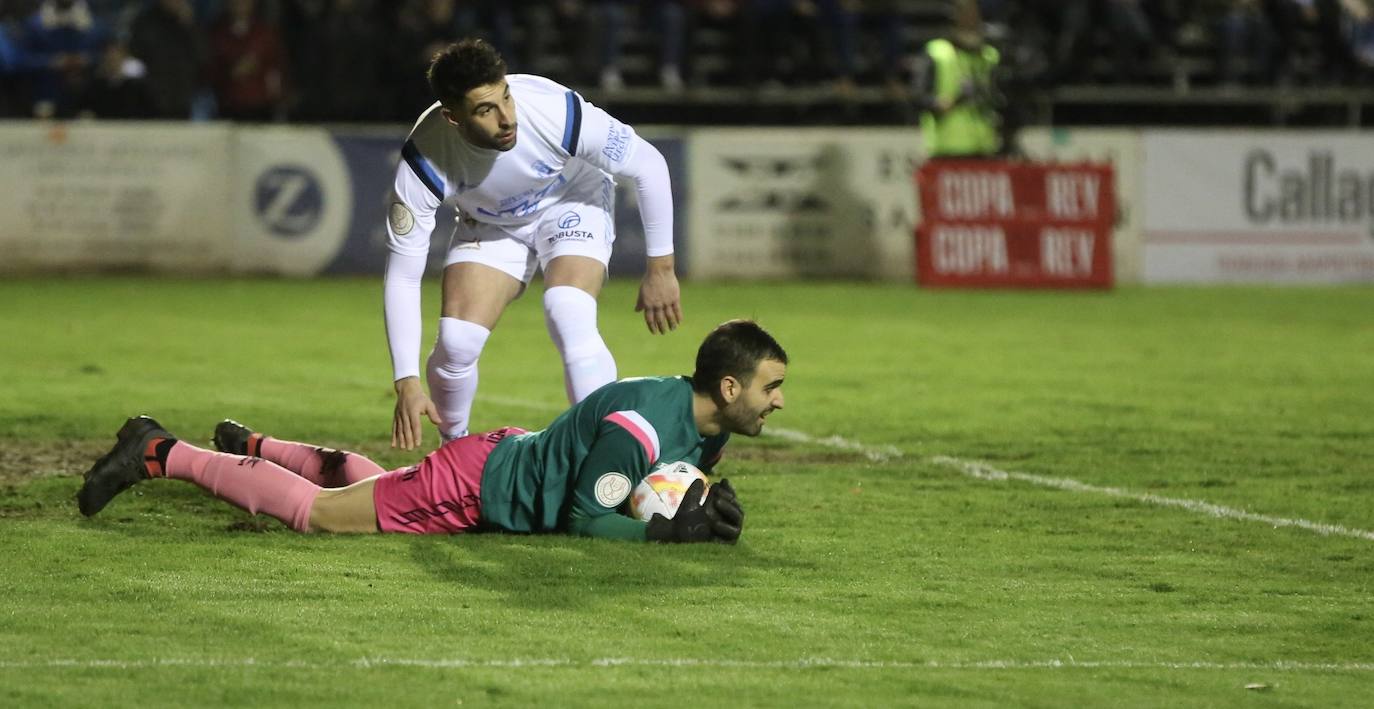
561	572
529	571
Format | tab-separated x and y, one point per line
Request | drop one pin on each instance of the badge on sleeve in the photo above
402	221
612	489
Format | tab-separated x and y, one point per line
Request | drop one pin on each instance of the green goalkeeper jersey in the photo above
576	474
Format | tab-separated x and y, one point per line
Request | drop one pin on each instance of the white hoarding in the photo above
779	203
1258	207
87	195
1121	148
293	200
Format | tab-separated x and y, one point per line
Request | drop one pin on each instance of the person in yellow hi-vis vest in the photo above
955	83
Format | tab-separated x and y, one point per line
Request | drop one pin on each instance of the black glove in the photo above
717	518
721	501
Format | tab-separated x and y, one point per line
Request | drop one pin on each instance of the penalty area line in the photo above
611	662
983	471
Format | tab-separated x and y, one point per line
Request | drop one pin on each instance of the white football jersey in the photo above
560	138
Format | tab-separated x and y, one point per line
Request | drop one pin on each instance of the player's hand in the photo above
717	518
411	404
728	517
659	296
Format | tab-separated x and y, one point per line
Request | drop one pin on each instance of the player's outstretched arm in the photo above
412	404
660	297
719	518
630	156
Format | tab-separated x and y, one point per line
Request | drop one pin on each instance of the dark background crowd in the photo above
364	60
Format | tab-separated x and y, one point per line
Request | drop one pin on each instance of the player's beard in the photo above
742	419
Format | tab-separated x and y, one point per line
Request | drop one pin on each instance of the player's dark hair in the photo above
461	67
733	349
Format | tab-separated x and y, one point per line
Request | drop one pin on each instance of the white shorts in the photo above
582	223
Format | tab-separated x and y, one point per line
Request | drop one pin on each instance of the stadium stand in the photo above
743	62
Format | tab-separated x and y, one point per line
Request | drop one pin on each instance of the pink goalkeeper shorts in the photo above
441	495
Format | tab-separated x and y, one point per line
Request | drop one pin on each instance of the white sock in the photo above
452	373
570	314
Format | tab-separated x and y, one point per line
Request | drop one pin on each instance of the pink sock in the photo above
254	484
323	466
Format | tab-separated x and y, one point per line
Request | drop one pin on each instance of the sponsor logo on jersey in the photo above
612	489
402	220
288	200
542	168
617	142
570	235
526	202
569	220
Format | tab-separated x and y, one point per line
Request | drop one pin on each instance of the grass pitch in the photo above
1174	508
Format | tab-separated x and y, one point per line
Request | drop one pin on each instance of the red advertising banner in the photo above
1018	224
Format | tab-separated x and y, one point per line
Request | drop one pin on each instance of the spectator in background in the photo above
1066	23
492	20
590	33
840	26
424	28
784	41
608	27
955	84
342	53
885	20
117	89
1334	19
247	64
1361	21
670	24
1320	19
61	43
1246	49
719	23
165	37
14	99
300	23
1132	39
665	20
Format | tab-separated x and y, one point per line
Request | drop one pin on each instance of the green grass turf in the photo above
861	581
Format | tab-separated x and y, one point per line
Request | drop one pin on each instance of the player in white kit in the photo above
529	165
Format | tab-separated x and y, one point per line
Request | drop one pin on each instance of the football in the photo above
661	491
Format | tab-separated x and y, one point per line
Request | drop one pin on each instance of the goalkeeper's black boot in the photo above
234	437
126	465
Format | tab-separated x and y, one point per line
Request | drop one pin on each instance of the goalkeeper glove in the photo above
717	518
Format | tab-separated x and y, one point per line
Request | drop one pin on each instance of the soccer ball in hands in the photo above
661	491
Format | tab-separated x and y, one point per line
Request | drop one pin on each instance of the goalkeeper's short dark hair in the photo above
733	349
461	67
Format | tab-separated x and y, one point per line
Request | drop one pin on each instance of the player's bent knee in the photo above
347	510
460	343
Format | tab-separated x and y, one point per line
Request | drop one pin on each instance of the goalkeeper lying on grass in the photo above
571	477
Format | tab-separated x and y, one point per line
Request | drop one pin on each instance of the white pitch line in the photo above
984	471
800	663
873	453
